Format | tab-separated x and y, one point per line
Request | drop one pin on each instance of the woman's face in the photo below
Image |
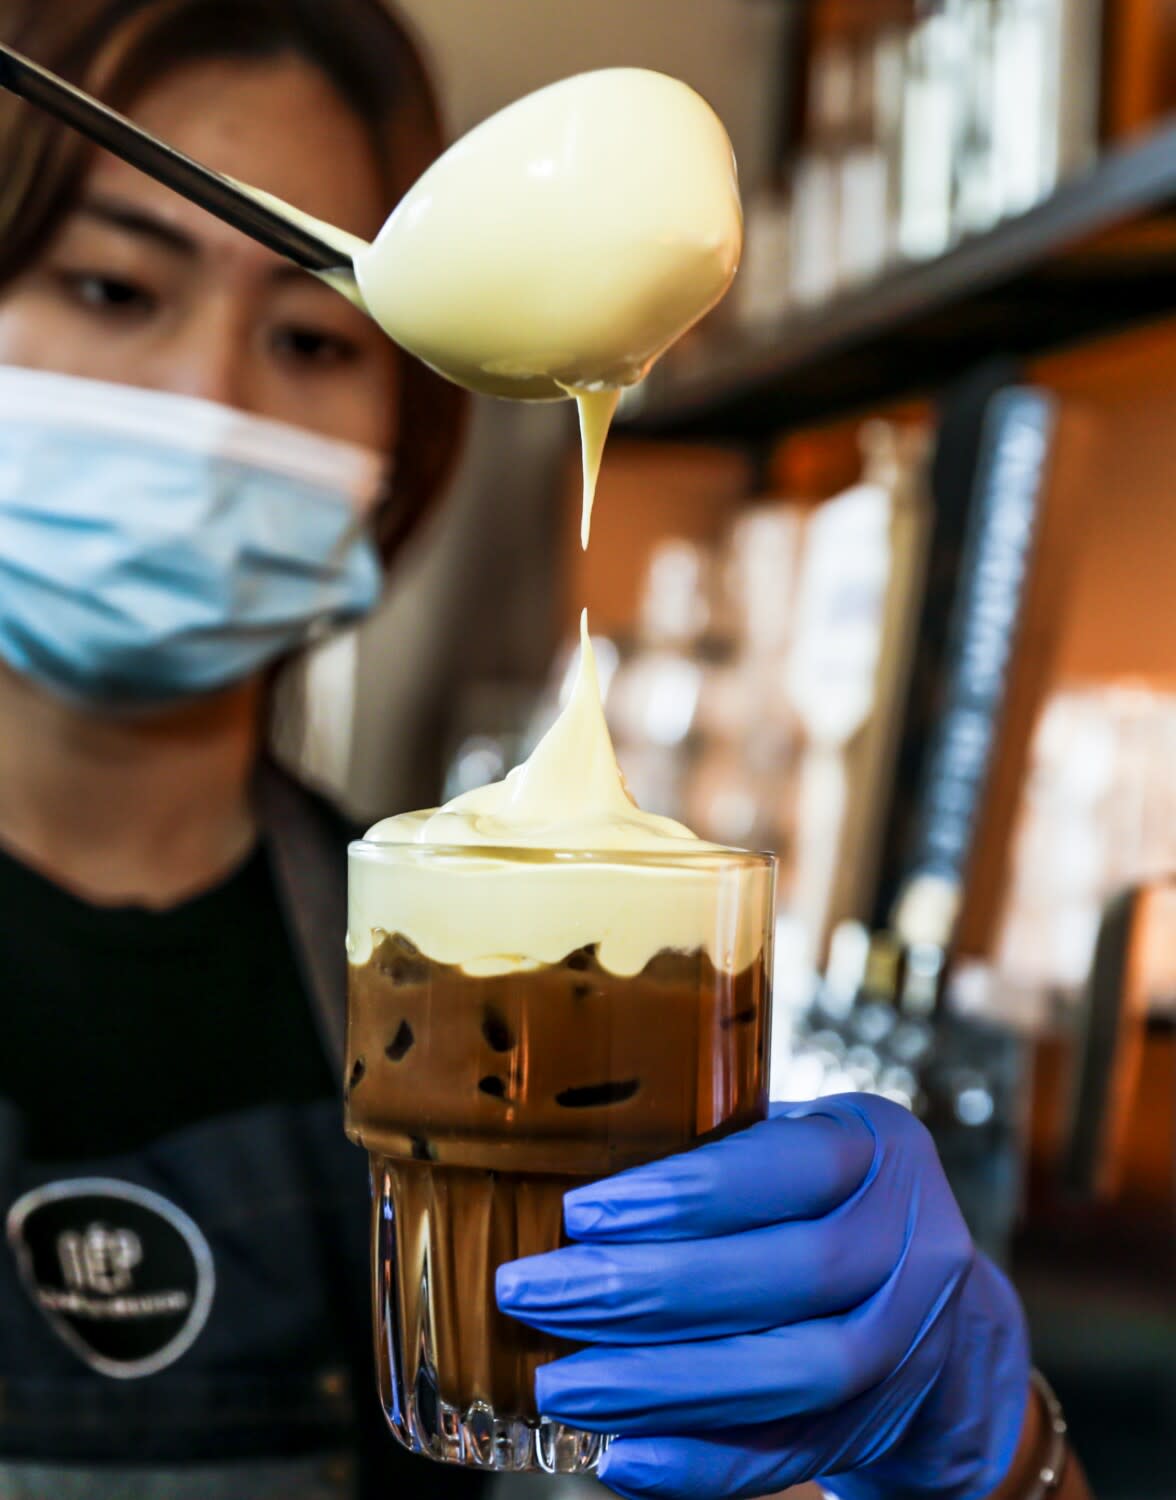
142	288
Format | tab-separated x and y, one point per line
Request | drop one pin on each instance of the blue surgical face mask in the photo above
154	547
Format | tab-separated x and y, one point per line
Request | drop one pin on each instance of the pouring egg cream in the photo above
556	251
569	795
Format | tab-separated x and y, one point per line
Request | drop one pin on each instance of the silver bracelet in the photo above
1053	1470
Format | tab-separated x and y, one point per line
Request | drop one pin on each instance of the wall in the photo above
486	54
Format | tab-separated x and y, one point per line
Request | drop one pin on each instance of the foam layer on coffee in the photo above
569	796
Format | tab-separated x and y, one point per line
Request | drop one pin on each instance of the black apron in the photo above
176	1303
203	1304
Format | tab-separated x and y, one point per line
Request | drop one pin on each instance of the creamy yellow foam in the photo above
493	915
569	794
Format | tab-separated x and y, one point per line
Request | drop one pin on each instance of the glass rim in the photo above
522	854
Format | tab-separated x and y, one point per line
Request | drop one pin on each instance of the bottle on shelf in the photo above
866	165
932	117
1045	95
977	191
848	665
817	175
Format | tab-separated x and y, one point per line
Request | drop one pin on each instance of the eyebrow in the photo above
146	225
139	222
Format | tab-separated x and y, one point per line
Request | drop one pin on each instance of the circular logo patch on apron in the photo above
123	1276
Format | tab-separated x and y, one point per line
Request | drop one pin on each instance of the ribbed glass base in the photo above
419	1308
507	1445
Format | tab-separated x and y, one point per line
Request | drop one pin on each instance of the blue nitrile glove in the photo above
797	1301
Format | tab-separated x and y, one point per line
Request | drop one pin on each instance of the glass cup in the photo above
535	1036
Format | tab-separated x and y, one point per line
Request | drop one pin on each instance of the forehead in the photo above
276	124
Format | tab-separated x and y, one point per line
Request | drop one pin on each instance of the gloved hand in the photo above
797	1301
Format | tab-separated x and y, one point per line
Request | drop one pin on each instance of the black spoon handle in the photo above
209	189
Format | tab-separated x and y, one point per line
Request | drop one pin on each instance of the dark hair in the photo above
115	48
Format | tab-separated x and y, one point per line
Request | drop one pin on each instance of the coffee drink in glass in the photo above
521	1021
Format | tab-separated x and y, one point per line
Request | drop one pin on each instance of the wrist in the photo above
1026	1465
1042	1466
969	1432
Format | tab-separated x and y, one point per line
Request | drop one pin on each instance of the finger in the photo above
693	1289
758	1460
750	1462
743	1380
798	1165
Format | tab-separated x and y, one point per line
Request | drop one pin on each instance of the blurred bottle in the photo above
1046	72
932	118
847	670
888	64
760	570
652	703
915	137
1022	102
653	699
762	292
816	179
677	603
867	166
1098	815
979	201
741	787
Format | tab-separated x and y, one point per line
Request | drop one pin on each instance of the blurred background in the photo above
881	579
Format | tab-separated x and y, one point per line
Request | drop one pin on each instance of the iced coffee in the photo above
486	1085
547	985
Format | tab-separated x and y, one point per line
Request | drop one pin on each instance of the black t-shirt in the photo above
121	1024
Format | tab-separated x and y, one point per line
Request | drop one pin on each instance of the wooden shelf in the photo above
1096	257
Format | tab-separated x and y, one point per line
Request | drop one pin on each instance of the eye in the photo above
320	348
115	296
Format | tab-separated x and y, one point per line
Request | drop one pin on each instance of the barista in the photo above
801	1300
183	1285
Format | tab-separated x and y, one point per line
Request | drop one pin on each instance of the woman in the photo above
183	1293
183	1304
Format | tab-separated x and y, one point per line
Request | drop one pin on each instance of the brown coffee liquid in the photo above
482	1101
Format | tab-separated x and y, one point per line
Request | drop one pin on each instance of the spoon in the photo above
261	221
556	250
